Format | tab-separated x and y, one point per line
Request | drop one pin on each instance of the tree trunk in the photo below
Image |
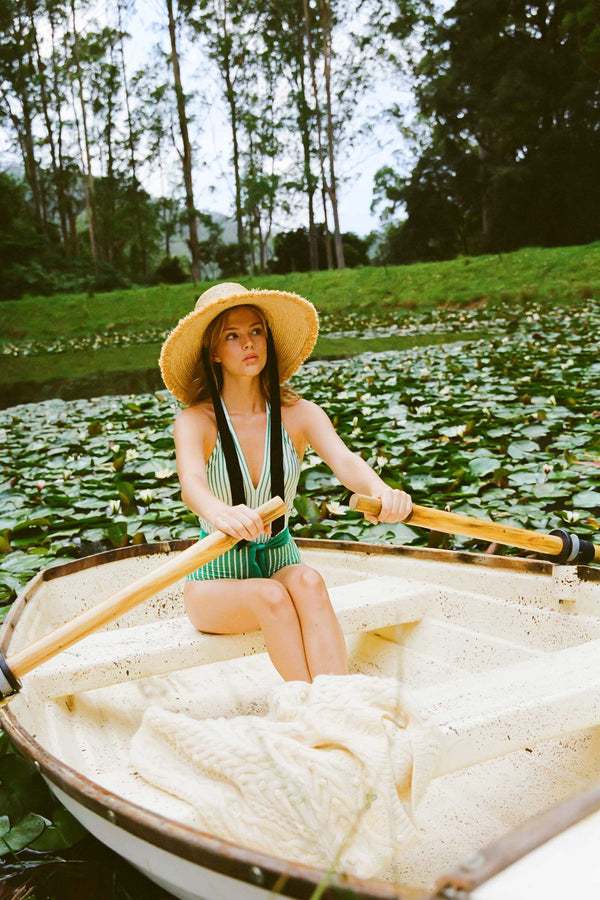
304	129
486	214
332	189
186	157
73	241
131	147
313	73
233	113
56	161
23	123
88	184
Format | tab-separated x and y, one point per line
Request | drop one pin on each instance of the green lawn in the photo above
562	274
78	346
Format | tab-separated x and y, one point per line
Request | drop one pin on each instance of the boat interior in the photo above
499	655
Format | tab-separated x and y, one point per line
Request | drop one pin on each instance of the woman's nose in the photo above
248	340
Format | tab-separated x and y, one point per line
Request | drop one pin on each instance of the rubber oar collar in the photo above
9	685
575	549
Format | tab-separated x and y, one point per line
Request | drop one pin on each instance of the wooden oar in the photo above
127	598
560	544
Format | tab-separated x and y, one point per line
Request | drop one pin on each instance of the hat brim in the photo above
293	321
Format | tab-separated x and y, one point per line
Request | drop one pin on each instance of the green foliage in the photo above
171	270
292	252
32	823
23	251
513	152
505	425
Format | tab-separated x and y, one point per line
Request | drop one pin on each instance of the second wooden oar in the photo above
66	635
563	546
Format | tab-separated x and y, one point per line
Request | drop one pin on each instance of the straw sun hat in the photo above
293	321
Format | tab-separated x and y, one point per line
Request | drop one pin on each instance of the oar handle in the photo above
468	526
127	598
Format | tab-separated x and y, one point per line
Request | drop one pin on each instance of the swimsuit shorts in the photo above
250	561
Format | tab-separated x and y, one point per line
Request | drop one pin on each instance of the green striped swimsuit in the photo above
264	556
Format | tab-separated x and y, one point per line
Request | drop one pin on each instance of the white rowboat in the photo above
502	655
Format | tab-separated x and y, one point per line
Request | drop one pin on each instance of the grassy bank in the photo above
556	274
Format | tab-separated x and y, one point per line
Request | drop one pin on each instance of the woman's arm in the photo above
349	468
192	435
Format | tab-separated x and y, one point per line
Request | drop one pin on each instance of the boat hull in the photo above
195	866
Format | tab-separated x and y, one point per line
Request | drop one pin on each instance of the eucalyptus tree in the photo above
227	30
260	182
19	93
60	169
153	122
83	127
185	152
287	39
132	140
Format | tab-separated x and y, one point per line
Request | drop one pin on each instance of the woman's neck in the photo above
243	396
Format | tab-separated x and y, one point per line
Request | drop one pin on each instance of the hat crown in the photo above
220	292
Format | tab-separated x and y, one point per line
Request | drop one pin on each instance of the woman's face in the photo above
241	348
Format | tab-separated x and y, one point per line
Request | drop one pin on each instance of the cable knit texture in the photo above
329	777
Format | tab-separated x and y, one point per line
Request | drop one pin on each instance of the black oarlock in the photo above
9	685
575	549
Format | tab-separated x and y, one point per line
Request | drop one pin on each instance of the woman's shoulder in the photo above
303	417
300	410
200	417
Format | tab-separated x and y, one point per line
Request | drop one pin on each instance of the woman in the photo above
240	440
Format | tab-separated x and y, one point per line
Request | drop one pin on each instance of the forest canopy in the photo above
501	142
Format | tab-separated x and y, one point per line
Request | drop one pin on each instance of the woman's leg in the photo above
324	644
231	606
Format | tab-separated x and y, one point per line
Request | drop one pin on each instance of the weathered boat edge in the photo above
235	861
201	849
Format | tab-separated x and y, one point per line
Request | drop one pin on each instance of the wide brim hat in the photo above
293	321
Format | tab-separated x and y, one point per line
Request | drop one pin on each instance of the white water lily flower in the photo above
163	473
114	506
381	460
335	508
131	454
67	474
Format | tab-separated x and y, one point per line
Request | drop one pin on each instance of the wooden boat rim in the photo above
201	848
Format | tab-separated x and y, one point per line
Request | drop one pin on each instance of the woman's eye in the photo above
231	336
257	330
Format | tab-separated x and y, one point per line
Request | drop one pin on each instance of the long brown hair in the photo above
210	339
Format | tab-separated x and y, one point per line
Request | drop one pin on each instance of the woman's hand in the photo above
395	506
240	522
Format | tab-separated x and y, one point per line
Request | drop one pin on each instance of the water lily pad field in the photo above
504	426
498	419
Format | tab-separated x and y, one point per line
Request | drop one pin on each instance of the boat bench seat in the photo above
123	654
513	707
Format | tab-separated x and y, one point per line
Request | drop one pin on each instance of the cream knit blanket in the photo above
329	777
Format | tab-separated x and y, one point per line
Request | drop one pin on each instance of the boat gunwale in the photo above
457	557
198	847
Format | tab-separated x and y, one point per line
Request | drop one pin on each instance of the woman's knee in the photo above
272	599
309	590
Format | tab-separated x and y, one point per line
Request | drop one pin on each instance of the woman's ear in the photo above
216	358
